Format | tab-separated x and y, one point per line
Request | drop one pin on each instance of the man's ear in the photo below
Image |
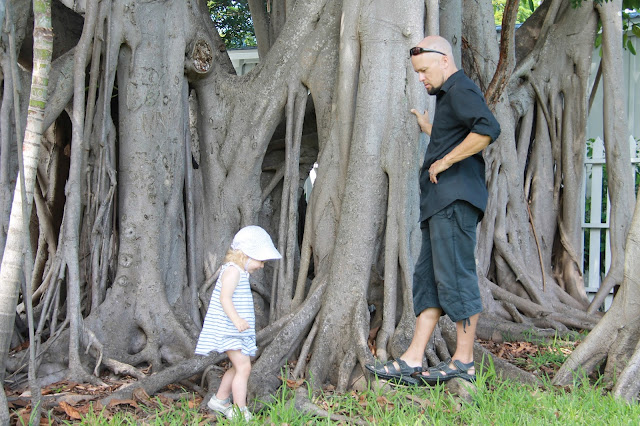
444	62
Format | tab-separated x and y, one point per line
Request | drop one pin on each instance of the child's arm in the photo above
230	280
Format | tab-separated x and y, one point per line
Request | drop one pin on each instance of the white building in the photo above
244	60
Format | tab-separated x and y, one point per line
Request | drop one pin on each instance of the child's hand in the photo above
241	324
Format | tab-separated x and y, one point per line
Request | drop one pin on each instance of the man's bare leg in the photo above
465	336
425	324
465	339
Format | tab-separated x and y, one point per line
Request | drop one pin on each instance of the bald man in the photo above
453	197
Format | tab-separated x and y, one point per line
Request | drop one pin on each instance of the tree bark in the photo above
620	182
616	336
12	258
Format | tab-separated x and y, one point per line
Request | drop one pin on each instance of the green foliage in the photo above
628	26
626	4
525	9
233	21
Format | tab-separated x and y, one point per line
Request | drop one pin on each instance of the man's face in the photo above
429	67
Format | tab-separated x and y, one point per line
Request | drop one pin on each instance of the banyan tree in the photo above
144	153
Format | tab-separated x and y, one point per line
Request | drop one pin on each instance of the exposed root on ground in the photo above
302	403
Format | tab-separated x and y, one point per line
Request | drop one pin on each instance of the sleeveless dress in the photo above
218	332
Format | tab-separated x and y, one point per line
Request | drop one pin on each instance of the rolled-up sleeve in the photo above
473	111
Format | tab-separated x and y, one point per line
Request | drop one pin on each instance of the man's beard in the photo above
433	90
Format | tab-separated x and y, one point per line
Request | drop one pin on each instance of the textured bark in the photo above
13	255
619	173
615	339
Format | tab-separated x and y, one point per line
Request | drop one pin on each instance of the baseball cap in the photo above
256	243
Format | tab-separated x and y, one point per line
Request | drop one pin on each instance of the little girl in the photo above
229	325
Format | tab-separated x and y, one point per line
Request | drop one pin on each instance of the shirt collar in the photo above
451	80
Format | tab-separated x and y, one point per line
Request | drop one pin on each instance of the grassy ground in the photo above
491	402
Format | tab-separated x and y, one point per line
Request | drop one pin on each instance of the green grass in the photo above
491	402
494	402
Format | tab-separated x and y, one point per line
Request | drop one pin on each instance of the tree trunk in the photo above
615	338
620	182
13	256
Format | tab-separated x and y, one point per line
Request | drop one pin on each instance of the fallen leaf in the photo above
22	346
294	384
70	411
164	400
385	403
423	402
141	395
25	416
18	403
115	402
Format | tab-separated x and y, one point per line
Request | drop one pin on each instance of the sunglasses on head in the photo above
418	50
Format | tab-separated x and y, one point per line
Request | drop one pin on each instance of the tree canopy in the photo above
232	18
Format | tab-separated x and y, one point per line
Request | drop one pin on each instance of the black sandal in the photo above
388	371
443	372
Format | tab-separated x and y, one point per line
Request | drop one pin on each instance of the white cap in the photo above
256	243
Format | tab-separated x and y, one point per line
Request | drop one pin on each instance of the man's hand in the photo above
471	145
423	121
436	168
241	324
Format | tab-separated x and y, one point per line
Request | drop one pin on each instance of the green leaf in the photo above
232	18
636	30
631	4
631	48
598	41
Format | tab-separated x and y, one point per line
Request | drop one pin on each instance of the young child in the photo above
229	325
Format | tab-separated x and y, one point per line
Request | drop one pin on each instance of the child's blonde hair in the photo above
236	256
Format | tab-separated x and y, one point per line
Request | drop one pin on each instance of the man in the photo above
453	197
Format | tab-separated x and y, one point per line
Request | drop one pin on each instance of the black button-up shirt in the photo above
460	110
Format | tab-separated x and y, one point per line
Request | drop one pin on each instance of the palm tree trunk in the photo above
13	256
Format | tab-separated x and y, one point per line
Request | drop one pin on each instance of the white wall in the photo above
244	60
631	69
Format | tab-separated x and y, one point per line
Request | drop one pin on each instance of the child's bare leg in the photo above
224	390
242	365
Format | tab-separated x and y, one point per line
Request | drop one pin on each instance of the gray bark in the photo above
620	180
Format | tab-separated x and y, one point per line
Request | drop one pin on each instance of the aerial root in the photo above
346	368
155	382
96	348
306	347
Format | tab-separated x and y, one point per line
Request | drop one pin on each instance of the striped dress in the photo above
218	332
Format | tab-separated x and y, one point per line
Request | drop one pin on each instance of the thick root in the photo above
302	403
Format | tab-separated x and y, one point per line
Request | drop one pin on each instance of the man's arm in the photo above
470	145
423	121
